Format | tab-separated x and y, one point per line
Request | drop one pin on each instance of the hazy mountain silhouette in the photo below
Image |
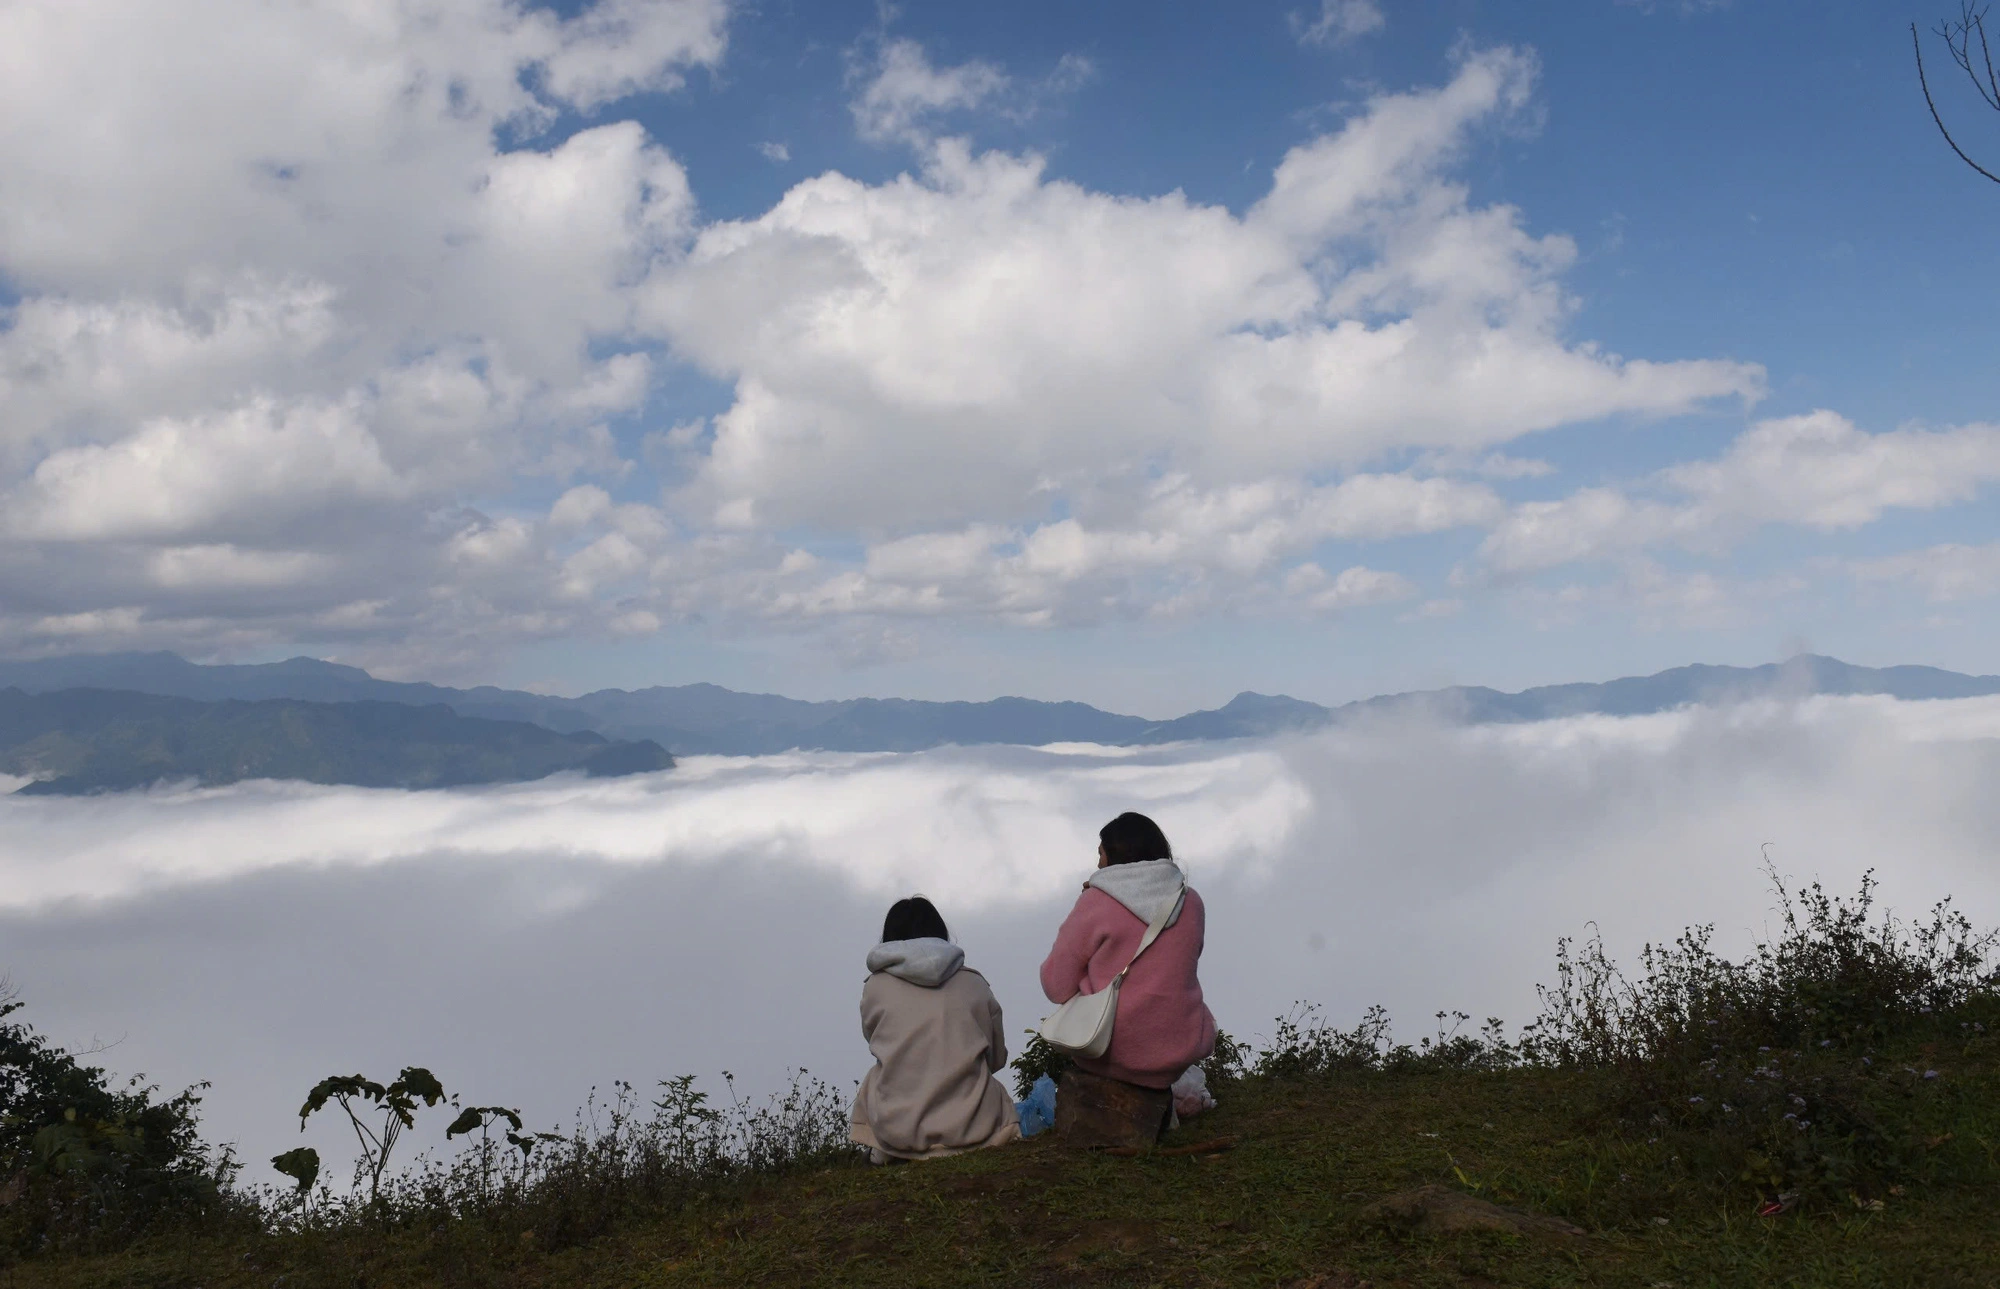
93	740
701	718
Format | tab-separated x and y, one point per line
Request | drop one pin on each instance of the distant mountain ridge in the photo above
75	741
708	719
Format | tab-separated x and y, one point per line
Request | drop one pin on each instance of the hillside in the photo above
1822	1111
709	719
90	740
1288	1206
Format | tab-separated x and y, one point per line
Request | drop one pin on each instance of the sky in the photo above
530	942
1132	353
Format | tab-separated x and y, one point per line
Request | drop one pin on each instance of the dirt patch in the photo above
1440	1209
1097	1239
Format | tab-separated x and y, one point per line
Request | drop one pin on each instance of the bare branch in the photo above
1917	44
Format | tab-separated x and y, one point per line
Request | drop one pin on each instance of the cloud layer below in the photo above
530	942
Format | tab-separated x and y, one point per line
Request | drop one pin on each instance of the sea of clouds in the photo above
531	942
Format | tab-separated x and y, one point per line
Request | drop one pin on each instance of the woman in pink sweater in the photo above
1162	1025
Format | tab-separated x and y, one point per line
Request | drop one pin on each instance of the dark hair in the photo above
913	919
1132	838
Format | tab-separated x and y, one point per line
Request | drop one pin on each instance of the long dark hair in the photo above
913	919
1132	838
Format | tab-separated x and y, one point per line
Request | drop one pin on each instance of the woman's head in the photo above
1132	839
913	919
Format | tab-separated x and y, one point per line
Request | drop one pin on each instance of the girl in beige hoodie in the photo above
935	1030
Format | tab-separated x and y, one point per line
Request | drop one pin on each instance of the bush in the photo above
622	1157
1305	1045
1796	1066
1038	1057
85	1165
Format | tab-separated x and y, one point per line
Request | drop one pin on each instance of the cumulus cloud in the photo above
1818	471
938	362
315	288
295	279
966	341
1360	866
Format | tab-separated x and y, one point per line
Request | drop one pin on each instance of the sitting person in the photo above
1161	1026
935	1030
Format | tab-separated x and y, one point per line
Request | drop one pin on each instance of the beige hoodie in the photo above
936	1033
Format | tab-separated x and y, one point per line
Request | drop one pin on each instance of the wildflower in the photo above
1694	1100
1930	1074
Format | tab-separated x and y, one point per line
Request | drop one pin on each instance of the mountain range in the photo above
76	741
708	719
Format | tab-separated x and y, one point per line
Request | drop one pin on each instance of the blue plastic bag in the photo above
1038	1112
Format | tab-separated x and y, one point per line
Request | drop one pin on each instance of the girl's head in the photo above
913	919
1131	839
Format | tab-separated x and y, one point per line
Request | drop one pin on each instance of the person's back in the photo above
938	1038
1162	1025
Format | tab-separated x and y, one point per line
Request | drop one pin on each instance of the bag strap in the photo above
1154	928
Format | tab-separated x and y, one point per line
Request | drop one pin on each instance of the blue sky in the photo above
833	349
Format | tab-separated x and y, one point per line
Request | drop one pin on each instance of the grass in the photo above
1824	1112
1283	1208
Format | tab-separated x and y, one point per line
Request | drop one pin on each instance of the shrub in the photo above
622	1157
1038	1057
1793	1065
1305	1045
84	1164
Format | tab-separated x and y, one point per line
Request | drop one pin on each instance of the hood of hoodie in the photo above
1145	887
928	962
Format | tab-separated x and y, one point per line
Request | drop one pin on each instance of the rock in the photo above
1096	1112
1438	1208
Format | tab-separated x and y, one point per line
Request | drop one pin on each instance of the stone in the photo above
1440	1209
1093	1112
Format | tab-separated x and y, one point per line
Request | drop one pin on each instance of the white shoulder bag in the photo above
1082	1026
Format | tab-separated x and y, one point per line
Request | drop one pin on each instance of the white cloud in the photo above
1818	471
963	345
308	296
1356	587
1943	573
1337	22
285	298
904	91
774	151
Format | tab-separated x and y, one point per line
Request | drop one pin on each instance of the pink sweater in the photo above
1162	1025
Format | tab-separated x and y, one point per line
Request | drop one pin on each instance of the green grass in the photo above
1283	1208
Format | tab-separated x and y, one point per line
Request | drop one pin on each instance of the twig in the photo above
1917	44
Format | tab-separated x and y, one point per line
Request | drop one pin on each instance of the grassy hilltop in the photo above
1825	1112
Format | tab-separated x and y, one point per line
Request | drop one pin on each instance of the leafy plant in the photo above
397	1103
89	1163
1796	1063
481	1119
1037	1057
302	1166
